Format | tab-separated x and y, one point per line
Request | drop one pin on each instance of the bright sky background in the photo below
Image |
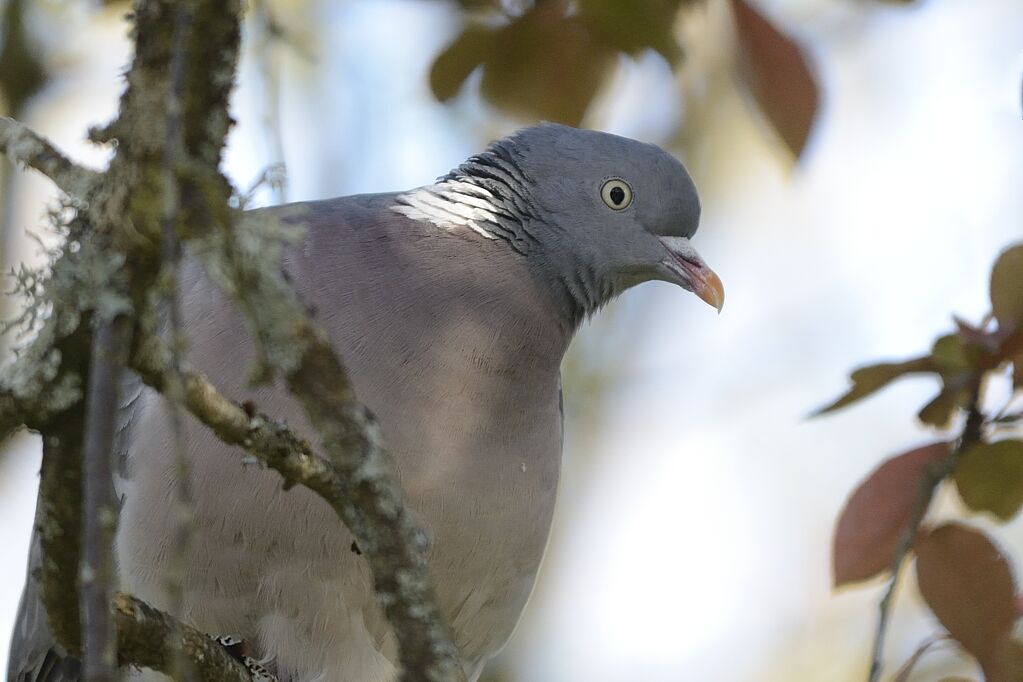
693	535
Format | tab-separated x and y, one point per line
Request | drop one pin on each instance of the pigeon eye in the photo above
616	194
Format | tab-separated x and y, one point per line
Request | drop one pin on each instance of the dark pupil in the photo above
617	195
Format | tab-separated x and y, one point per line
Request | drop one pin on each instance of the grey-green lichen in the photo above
21	145
105	268
78	282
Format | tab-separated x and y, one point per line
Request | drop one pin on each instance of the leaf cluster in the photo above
549	60
963	576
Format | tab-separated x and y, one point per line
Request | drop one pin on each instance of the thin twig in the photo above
932	476
99	514
22	145
268	58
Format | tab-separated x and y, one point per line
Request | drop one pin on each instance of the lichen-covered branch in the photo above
361	487
183	517
356	482
152	639
22	145
59	514
99	518
365	495
127	211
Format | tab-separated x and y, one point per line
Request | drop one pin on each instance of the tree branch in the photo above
59	513
170	255
355	481
21	145
152	639
365	495
99	517
398	562
360	486
125	209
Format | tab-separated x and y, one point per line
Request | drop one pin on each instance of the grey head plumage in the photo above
597	213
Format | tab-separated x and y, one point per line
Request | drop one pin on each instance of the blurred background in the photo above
861	165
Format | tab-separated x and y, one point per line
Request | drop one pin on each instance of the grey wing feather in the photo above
34	656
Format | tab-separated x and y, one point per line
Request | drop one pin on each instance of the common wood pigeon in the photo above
452	305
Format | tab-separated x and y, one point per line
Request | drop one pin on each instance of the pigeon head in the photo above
598	213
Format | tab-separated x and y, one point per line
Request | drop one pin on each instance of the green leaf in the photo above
872	378
870	525
990	478
631	27
939	412
967	582
956	361
459	59
1007	287
951	353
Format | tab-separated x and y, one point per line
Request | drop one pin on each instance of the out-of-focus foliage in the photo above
549	60
776	73
873	378
1006	288
959	358
990	478
869	527
21	72
963	576
967	582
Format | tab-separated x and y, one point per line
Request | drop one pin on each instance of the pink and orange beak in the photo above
690	272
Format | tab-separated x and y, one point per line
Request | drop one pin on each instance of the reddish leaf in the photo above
969	586
1006	664
875	515
977	336
872	378
776	73
545	65
990	478
1007	287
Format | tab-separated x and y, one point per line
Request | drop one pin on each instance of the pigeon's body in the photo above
462	372
452	306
